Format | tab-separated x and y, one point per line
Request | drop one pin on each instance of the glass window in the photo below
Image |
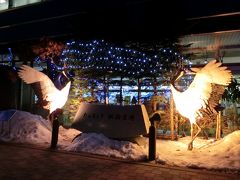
16	3
3	4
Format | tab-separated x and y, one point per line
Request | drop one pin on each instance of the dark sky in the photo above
169	17
196	8
115	19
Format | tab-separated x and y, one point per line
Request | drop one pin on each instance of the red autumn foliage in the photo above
48	49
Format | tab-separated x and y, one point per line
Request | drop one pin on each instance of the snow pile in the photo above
24	127
66	136
217	155
99	144
226	151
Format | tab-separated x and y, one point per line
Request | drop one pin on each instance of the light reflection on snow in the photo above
209	154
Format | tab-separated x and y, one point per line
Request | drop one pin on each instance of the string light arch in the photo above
101	56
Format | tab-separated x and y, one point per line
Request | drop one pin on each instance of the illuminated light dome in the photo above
99	55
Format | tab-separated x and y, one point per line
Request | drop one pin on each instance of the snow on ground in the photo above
23	127
223	154
100	144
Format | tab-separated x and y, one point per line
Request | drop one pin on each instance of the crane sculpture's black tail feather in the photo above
209	113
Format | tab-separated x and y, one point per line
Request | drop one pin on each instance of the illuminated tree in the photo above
49	51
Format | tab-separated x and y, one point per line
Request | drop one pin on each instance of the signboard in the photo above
114	121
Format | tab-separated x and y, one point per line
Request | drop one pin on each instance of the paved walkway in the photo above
23	162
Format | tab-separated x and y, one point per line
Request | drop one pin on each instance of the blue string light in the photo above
100	55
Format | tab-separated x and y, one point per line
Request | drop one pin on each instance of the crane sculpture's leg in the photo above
190	145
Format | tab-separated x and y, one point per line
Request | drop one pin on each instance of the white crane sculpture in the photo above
197	97
48	95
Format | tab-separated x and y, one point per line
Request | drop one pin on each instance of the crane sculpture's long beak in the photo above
182	72
189	72
179	75
65	74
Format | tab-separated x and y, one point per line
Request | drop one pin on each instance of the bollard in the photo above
152	136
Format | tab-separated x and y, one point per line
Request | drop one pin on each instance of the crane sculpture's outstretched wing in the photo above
48	95
199	93
212	73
